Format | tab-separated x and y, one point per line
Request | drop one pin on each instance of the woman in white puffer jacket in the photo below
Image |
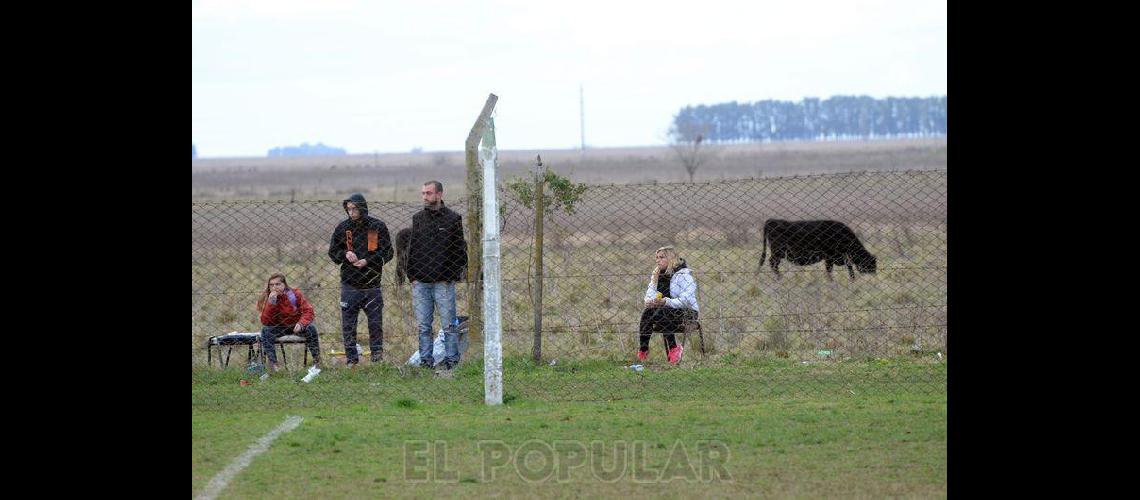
670	298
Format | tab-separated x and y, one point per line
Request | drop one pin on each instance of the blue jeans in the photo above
352	300
425	298
269	336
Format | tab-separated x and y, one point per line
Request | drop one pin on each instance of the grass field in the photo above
379	432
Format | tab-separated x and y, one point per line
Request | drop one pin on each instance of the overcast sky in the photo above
392	76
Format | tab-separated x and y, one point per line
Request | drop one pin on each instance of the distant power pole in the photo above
582	114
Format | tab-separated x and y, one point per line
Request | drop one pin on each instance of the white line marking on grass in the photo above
223	478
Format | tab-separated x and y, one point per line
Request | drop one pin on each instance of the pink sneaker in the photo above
675	354
642	355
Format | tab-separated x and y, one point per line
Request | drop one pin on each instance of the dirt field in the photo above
398	176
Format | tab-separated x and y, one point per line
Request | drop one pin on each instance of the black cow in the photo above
403	238
808	242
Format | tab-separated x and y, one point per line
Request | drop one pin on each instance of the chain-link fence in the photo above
879	314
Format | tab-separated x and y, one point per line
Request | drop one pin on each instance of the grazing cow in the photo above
808	242
403	238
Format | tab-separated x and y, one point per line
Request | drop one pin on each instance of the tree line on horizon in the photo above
306	149
837	117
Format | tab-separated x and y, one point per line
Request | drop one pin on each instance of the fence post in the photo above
492	312
475	222
539	186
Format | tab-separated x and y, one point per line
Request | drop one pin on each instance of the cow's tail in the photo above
764	245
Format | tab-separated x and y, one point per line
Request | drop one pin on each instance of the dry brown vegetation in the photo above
597	261
398	176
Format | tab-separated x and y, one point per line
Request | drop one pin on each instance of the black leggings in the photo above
666	320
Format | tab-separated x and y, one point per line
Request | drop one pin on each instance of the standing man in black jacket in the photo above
437	258
361	246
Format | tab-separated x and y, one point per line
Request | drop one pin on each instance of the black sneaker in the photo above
377	357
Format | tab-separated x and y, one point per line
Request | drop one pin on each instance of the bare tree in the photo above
685	138
532	194
439	159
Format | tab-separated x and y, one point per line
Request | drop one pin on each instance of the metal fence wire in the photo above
879	313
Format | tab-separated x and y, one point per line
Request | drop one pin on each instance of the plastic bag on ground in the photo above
438	351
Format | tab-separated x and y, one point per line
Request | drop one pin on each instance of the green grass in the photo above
728	376
828	429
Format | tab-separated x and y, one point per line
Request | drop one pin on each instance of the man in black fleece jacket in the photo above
437	258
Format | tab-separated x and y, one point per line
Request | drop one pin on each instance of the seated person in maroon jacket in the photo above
285	311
